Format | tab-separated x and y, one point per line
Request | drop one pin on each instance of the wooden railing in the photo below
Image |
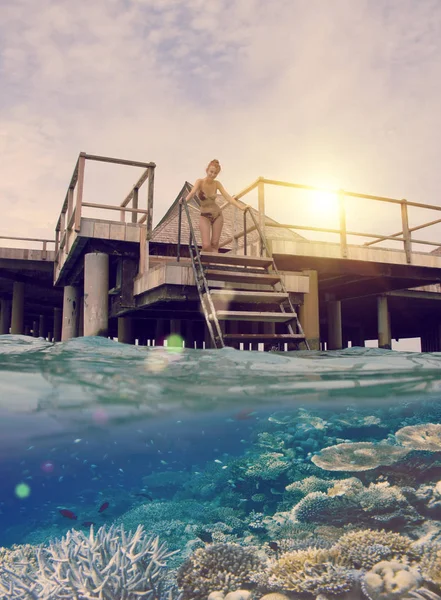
26	239
404	236
72	210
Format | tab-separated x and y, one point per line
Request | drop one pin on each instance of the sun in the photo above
324	203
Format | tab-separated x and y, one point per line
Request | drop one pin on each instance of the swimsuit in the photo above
209	209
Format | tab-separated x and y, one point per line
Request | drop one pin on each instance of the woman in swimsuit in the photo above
211	220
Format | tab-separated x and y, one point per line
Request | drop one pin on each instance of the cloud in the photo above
342	94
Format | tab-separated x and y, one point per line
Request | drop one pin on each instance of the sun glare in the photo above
324	203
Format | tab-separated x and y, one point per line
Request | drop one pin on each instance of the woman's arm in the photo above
230	199
193	192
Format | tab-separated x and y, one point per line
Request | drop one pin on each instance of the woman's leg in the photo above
216	233
205	229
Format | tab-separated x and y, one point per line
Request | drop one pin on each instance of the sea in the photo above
153	472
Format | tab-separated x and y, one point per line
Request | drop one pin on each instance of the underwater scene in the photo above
132	472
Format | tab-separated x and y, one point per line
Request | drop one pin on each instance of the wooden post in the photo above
17	318
406	232
80	186
261	206
384	331
135	204
5	317
309	311
235	213
335	341
343	239
151	182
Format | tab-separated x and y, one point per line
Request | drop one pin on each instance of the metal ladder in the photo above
241	269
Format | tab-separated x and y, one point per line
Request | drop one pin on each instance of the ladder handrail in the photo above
282	284
196	259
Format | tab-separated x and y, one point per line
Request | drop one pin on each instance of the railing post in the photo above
235	213
80	186
135	204
44	253
343	238
261	207
406	232
151	181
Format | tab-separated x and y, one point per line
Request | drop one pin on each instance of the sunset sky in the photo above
342	94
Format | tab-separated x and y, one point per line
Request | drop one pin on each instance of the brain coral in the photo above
363	548
217	567
389	580
357	456
420	437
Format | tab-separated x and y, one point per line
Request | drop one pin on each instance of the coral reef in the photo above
389	580
313	571
358	456
109	564
217	567
426	436
366	547
266	466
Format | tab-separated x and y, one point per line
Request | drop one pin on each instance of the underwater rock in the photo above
390	580
358	456
276	596
238	595
216	596
420	437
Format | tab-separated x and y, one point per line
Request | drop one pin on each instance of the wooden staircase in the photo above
230	304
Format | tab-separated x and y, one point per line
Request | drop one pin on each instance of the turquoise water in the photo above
220	452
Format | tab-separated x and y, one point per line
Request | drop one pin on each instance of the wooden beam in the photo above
110	207
80	184
119	161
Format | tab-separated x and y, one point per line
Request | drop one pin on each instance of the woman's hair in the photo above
214	163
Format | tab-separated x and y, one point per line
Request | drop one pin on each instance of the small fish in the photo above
93	466
77	440
163	462
205	536
60	479
143	495
244	415
103	507
225	467
216	460
68	514
87	523
31	447
274	546
121	470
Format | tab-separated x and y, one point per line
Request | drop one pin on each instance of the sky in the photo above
336	94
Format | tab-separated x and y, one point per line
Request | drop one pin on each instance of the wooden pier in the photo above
122	278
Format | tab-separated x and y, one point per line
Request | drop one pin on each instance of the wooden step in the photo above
235	260
266	297
242	277
264	337
260	317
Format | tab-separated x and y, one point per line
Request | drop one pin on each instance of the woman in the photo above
211	219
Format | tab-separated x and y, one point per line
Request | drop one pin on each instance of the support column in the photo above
335	341
42	327
27	330
358	337
269	328
126	330
35	328
96	294
384	332
161	332
5	316
71	309
17	320
57	324
309	312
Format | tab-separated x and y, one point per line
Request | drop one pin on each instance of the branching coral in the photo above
389	580
298	489
314	571
318	507
218	567
358	456
367	547
420	437
431	563
109	564
267	466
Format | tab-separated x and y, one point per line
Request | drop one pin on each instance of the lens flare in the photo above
175	343
22	490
